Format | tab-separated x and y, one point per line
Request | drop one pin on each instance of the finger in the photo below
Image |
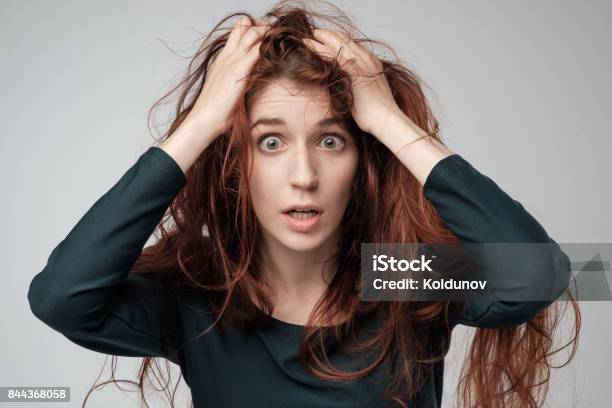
321	49
326	50
368	60
329	37
345	47
251	56
338	42
254	34
240	27
253	53
261	22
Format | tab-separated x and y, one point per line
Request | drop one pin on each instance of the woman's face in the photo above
303	160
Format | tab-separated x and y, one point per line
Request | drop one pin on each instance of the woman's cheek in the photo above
345	174
265	186
339	182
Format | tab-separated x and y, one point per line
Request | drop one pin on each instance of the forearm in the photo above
477	210
419	157
188	142
84	271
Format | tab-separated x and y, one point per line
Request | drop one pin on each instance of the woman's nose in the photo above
303	173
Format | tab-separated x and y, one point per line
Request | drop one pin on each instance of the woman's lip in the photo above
303	208
302	225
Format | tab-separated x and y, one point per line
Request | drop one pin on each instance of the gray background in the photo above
522	91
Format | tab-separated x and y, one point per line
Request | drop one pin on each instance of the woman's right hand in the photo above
223	86
224	81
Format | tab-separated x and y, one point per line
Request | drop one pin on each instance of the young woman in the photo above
298	145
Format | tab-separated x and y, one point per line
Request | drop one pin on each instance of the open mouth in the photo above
302	215
302	220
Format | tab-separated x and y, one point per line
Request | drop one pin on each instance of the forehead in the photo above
283	99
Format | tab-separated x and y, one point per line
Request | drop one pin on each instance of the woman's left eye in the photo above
333	141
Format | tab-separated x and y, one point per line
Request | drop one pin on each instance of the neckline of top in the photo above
282	323
288	325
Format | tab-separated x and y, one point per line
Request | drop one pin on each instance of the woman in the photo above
299	145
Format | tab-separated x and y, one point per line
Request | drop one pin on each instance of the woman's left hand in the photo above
373	99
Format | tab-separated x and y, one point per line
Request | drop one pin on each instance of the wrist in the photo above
398	130
198	132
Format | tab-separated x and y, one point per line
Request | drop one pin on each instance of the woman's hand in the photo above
373	99
374	108
224	81
223	86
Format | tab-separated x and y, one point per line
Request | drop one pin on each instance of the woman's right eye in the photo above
269	142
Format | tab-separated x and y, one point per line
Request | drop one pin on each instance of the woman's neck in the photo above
297	273
297	279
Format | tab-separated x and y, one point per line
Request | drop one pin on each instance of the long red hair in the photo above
209	236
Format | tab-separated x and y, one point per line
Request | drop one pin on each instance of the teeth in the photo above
302	215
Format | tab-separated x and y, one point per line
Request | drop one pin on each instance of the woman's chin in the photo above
301	242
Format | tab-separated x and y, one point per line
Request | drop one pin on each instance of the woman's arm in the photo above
401	135
86	290
477	210
472	205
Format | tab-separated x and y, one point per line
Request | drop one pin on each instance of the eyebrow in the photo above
278	121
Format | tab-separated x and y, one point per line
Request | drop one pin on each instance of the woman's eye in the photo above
269	142
274	142
333	141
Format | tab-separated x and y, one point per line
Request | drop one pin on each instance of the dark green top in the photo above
87	293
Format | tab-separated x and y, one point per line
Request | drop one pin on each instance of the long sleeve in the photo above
86	290
477	210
